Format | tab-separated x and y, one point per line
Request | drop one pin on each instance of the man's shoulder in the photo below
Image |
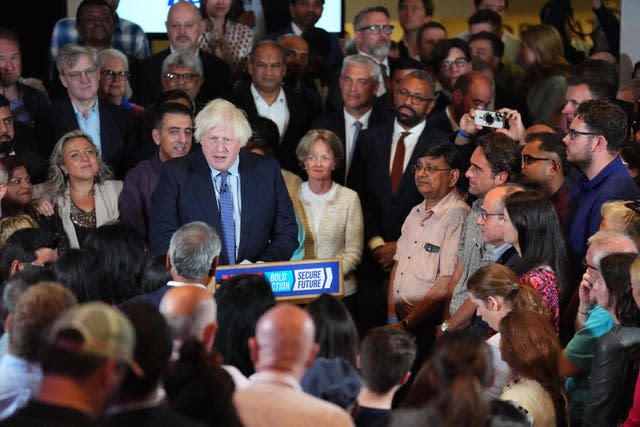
129	26
40	413
210	62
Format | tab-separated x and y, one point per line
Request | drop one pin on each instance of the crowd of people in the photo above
481	190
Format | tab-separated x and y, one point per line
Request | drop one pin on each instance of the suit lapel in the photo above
204	192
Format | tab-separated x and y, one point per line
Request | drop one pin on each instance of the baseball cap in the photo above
104	332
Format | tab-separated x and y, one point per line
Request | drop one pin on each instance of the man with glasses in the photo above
451	59
110	126
591	321
593	140
373	38
381	174
184	28
544	164
182	70
425	254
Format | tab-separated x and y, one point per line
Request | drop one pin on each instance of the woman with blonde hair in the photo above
622	216
542	57
11	224
331	214
80	186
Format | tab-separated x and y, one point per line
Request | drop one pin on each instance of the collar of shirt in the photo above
385	61
410	142
441	208
296	30
175	284
454	125
415	131
349	120
92	110
499	251
275	377
258	98
604	174
233	170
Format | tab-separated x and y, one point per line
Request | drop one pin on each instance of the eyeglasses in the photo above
484	214
375	29
586	265
574	133
116	75
89	73
527	159
324	159
187	77
430	169
416	98
458	62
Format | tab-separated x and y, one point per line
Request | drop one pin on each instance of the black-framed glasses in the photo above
430	169
484	214
458	62
416	98
527	159
375	29
574	133
187	77
586	265
116	75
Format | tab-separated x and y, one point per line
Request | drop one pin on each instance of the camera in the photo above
492	119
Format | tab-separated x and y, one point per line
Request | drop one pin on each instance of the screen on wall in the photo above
152	14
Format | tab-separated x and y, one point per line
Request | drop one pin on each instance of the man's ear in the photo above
315	348
209	335
402	381
15	267
253	350
7	323
155	135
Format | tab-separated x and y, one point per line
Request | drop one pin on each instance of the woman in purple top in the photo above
531	225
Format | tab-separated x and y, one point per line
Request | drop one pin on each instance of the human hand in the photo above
42	206
383	255
516	130
468	124
585	293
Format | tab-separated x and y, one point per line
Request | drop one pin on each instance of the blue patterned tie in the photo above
226	217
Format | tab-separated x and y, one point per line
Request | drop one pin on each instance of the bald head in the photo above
190	311
284	340
184	26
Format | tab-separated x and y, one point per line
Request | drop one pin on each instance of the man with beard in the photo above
388	197
544	162
373	38
594	137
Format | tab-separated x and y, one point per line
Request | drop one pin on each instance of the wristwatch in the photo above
444	326
404	324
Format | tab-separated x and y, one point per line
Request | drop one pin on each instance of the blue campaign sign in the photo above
293	280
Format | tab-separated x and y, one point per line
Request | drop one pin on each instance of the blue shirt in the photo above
233	181
90	124
19	380
587	196
127	37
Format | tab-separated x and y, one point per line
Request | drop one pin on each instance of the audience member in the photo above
192	258
424	259
25	99
27	246
413	14
80	187
400	68
613	372
266	97
542	57
450	388
450	59
634	413
27	324
184	28
531	225
591	321
114	80
18	200
110	127
623	217
237	319
81	271
95	24
560	16
429	35
595	135
127	37
530	346
373	39
83	362
224	37
495	291
331	214
385	360
544	165
359	81
494	162
182	70
121	250
282	350
172	133
139	401
582	88
262	207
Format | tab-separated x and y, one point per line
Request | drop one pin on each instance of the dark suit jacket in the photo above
117	131
276	13
384	213
335	123
335	55
147	84
185	193
299	123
